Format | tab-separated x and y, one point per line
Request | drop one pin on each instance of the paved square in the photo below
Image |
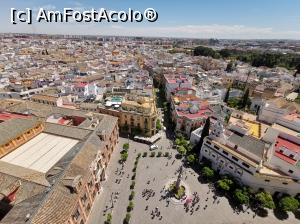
153	174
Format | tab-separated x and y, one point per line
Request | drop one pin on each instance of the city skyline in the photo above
190	19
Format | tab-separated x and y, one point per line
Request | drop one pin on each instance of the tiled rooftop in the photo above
286	150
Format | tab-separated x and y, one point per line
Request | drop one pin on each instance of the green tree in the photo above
130	206
191	159
132	185
225	184
207	172
205	133
131	196
108	218
181	150
189	147
233	102
245	99
124	156
265	199
242	196
229	67
288	204
178	141
126	146
254	57
206	51
127	218
227	95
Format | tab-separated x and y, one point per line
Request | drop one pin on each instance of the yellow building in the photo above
138	115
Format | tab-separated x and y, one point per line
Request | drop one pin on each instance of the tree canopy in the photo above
206	51
245	99
181	150
288	204
205	132
265	199
227	95
126	146
191	158
207	172
242	196
225	184
254	57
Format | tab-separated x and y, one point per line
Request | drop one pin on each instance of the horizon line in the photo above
106	35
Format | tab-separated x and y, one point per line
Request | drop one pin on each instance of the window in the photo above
213	156
231	167
76	215
90	183
234	158
285	183
208	142
84	198
291	171
225	153
267	180
245	165
216	147
88	207
205	150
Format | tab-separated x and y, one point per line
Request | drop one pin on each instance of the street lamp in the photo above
112	201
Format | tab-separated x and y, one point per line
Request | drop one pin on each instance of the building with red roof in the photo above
5	116
189	112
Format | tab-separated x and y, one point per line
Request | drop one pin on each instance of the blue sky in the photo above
246	19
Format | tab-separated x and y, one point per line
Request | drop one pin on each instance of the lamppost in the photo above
112	200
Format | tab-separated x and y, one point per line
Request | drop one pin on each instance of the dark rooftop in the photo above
249	143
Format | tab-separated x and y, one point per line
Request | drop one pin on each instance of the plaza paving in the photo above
158	174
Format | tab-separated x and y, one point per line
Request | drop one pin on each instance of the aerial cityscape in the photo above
175	124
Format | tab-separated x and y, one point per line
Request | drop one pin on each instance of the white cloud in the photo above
191	31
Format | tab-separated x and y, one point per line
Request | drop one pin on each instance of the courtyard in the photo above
153	175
